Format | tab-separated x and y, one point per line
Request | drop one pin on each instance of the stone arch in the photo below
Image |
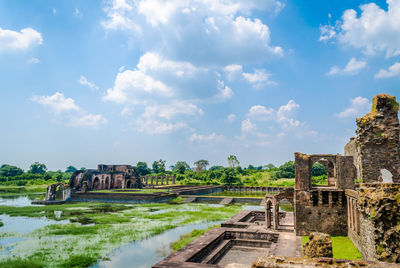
129	184
96	183
107	185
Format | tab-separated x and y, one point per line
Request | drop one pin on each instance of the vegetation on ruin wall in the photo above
76	244
185	239
342	248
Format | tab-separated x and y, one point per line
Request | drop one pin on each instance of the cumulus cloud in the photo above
393	70
19	41
84	82
65	109
233	70
353	67
373	30
170	111
358	107
57	103
327	32
203	31
260	112
259	78
211	138
248	126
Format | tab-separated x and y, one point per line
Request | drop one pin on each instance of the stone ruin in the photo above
376	150
369	212
318	245
58	192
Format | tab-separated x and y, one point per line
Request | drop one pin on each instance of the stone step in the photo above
218	252
226	201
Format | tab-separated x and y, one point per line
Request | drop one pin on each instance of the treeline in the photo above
36	175
199	173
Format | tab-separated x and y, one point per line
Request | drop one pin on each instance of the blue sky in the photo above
88	82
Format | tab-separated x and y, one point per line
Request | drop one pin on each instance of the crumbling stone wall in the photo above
377	143
318	245
379	204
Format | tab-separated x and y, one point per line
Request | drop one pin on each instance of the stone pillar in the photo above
167	180
276	214
330	199
173	179
319	198
152	177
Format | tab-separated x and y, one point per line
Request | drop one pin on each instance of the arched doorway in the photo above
107	186
129	184
96	183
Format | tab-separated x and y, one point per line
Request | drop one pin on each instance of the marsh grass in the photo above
61	245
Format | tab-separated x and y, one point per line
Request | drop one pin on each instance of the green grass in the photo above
22	190
188	238
237	194
342	248
20	263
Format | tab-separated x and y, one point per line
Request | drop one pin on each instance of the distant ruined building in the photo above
105	177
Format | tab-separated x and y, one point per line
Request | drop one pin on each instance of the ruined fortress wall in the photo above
376	146
327	217
379	206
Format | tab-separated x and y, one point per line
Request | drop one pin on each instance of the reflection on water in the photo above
19	200
147	252
25	225
238	194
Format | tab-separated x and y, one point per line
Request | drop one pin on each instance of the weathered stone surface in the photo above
376	147
319	245
379	204
293	262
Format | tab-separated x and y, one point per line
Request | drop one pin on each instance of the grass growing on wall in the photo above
342	248
188	238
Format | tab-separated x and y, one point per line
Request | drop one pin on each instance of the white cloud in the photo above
358	107
204	31
65	109
374	30
259	78
157	127
393	70
211	138
284	113
327	32
87	120
130	85
172	110
233	70
353	67
230	118
33	60
83	81
248	126
19	41
260	112
57	103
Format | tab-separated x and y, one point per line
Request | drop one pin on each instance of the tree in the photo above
201	164
318	169
70	169
37	168
251	167
216	168
230	176
10	171
159	166
286	170
269	166
142	168
180	167
233	161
